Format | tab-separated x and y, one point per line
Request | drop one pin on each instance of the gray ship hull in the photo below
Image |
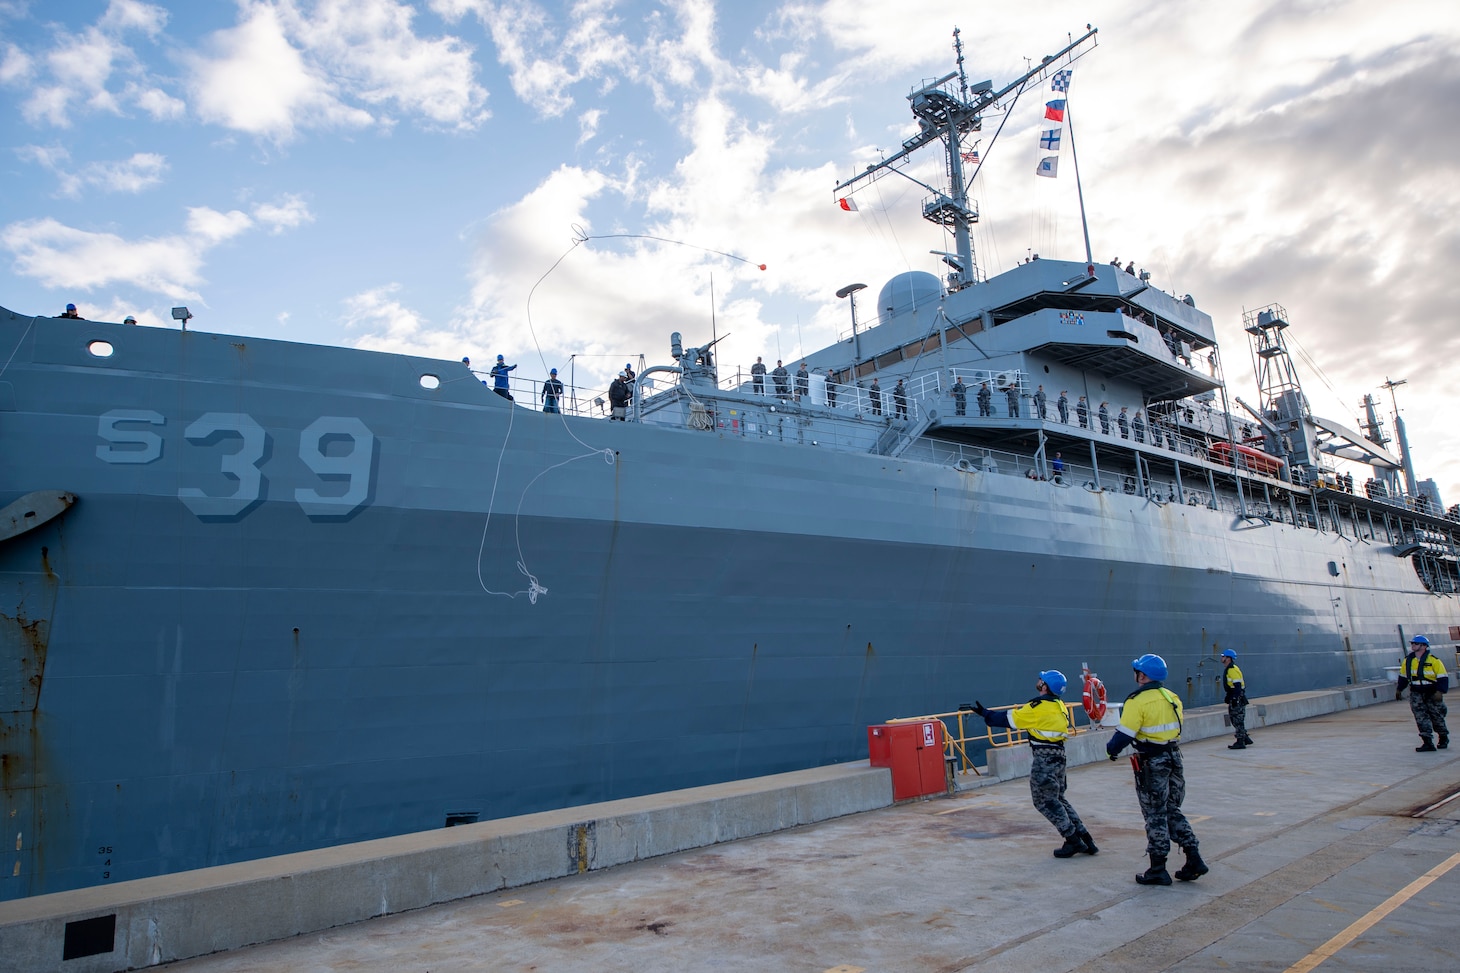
209	664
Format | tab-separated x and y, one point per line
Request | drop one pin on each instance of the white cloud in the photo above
285	67
544	59
80	66
257	82
588	125
134	15
390	325
157	103
215	227
369	45
64	257
289	212
140	172
16	66
171	266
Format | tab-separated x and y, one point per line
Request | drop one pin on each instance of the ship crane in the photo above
1292	428
946	116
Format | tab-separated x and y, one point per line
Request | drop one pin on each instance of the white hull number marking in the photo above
319	450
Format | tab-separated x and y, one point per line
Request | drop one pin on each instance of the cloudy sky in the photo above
401	176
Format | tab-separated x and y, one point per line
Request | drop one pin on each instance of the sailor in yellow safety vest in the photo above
1236	696
1151	721
1047	723
1424	676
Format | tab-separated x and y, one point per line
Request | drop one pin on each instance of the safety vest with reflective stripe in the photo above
1152	715
1232	677
1045	720
1425	673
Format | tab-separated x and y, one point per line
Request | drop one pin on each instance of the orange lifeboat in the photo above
1252	459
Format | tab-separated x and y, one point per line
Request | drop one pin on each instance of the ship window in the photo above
890	358
429	381
101	349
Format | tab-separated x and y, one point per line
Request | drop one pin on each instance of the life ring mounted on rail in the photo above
1094	697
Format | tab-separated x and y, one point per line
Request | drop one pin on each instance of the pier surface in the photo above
1331	842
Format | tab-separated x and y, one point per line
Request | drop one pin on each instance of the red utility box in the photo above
914	751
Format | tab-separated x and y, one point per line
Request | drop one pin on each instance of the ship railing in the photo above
964	729
816	390
1158	488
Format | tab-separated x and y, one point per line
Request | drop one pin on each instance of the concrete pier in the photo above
1308	832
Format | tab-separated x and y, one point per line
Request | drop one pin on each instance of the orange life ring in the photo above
1094	698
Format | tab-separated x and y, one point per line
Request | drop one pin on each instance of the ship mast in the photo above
946	116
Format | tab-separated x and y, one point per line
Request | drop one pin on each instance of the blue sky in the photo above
399	176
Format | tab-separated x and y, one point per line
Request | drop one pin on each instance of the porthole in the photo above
100	349
429	381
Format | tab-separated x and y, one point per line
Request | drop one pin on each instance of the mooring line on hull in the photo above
610	456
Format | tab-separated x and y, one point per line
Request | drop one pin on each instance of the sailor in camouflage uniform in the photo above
1424	676
1047	723
1236	696
1151	720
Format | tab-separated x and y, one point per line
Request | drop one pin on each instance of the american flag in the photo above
970	157
1060	81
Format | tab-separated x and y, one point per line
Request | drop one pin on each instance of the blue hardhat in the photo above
1055	680
554	371
1228	654
1150	666
70	307
1419	640
500	358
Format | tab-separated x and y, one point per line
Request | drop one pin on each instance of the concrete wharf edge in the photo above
208	910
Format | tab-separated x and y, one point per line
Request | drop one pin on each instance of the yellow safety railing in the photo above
955	744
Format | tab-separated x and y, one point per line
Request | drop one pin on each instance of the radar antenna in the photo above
946	116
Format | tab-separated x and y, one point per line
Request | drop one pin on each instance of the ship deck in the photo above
1325	845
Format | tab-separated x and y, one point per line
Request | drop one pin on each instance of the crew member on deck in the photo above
1047	723
1082	410
552	392
1063	405
1236	696
960	397
1425	677
70	312
757	376
500	378
1151	720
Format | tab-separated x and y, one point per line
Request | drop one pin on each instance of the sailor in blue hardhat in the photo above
1047	723
552	392
1236	697
70	312
1151	721
1424	675
500	381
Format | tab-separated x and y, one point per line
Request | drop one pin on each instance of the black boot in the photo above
1247	740
1194	868
1239	745
1067	850
1428	747
1087	843
1156	874
1444	743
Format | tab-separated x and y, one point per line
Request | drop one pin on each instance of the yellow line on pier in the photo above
1373	917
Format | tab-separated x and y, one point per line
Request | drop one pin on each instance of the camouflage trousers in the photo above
1160	788
1047	788
1237	713
1429	712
